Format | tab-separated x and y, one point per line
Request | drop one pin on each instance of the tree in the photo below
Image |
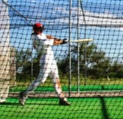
24	60
116	70
92	61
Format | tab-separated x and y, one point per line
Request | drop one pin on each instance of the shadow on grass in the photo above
104	109
18	104
9	103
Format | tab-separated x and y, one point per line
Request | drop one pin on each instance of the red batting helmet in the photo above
38	26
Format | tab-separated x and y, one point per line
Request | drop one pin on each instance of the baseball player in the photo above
43	44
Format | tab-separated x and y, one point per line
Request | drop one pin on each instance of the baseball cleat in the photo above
22	98
64	102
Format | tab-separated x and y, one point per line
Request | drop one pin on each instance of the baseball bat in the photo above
80	40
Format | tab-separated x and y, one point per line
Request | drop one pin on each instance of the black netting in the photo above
90	73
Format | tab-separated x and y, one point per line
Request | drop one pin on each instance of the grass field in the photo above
73	88
48	108
81	108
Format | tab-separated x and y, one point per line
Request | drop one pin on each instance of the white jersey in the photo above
48	64
44	47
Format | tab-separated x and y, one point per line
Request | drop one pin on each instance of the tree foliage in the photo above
92	62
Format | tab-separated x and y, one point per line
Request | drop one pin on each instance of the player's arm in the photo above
56	40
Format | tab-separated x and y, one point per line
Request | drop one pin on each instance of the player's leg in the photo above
57	86
40	79
62	99
43	74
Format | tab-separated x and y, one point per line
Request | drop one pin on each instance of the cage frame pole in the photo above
32	61
69	81
78	47
84	23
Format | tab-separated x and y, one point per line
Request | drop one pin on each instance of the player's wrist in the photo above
64	41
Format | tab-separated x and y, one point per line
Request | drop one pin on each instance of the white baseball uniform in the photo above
47	62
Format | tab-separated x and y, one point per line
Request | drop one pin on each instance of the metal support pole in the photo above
84	20
69	82
32	62
78	47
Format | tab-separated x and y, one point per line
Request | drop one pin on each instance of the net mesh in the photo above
91	73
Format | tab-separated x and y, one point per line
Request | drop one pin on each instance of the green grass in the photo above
73	88
48	108
81	108
82	81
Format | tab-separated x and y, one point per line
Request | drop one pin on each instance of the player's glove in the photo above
64	41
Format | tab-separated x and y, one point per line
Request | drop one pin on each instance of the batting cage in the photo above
61	59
